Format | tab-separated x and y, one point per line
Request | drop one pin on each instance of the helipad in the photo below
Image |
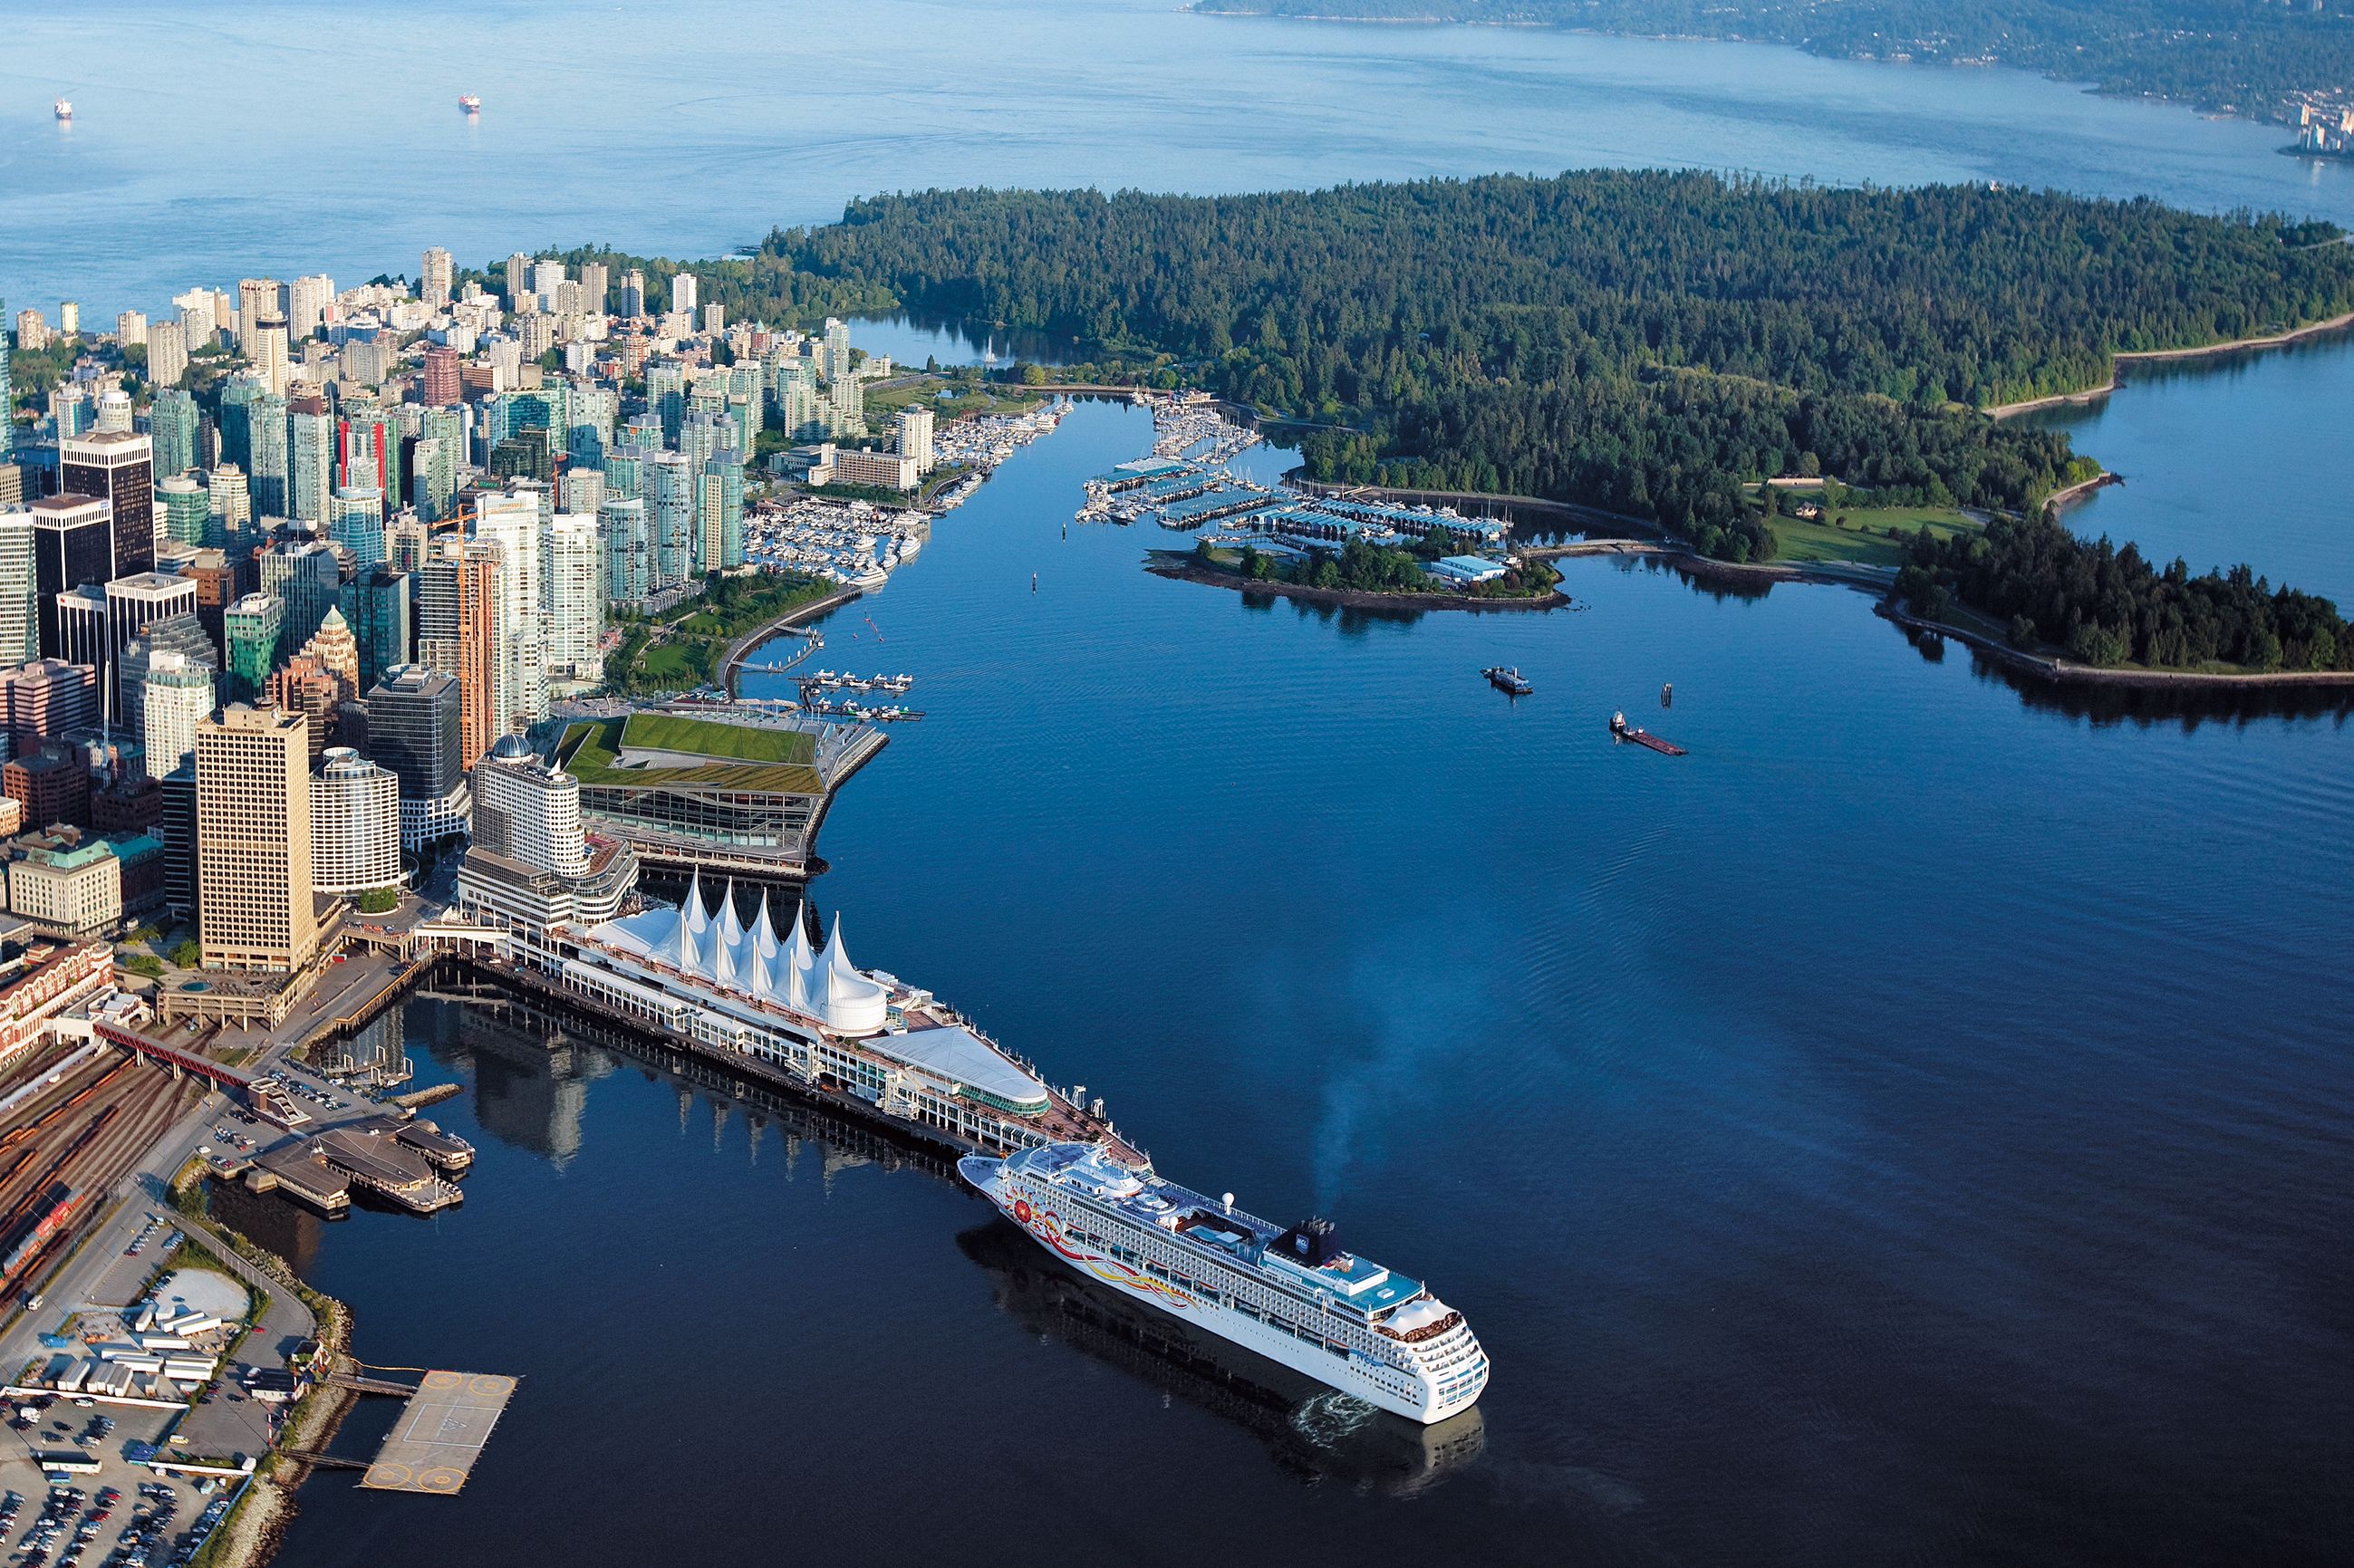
440	1433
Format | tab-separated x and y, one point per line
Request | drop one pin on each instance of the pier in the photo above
433	1447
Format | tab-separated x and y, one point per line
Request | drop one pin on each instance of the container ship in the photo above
1291	1295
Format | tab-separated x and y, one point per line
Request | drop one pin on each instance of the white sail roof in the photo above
817	982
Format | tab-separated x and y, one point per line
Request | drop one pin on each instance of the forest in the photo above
2245	55
1639	340
2107	605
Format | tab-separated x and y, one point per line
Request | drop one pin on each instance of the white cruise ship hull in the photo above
1378	1387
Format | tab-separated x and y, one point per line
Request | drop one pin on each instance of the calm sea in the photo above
1913	1127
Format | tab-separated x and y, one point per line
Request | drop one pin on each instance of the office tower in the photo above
117	465
172	430
7	394
73	544
175	698
252	630
256	298
670	486
268	352
310	459
355	826
47	700
129	606
81	615
518	281
68	318
834	361
510	523
236	397
574	592
413	731
307	300
177	831
633	295
433	279
628	550
355	521
253	822
303	575
267	468
442	386
336	650
50	786
167	354
457	620
304	686
682	289
185	505
20	621
912	436
228	505
593	276
368	450
376	603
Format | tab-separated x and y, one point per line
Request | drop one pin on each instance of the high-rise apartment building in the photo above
355	825
305	574
310	459
912	436
442	386
670	487
167	354
120	466
175	698
228	505
573	587
376	603
256	298
833	360
253	826
307	300
510	524
628	550
593	284
267	468
268	354
518	281
7	394
457	617
684	289
172	430
633	296
434	277
252	632
182	635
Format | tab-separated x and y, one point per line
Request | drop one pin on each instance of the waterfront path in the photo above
742	646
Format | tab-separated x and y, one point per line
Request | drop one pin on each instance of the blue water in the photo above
1911	1126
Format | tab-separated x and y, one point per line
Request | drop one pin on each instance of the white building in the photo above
433	281
914	436
65	881
572	587
531	869
355	825
519	665
307	300
683	290
176	697
20	626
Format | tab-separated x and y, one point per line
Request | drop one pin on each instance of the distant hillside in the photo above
2250	57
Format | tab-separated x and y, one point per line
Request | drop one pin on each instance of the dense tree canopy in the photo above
1641	341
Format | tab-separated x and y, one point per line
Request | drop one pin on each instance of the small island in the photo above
1432	575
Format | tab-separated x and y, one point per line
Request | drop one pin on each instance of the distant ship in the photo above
470	104
1293	1296
63	110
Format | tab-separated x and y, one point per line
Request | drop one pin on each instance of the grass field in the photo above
1866	540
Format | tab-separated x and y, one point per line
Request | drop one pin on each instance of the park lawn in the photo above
671	732
670	661
1874	536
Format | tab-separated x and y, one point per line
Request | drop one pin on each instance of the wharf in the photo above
399	1162
433	1447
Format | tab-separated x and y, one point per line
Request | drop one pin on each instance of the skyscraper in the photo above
457	619
228	505
310	459
132	604
7	394
171	427
593	276
256	298
303	575
682	292
268	465
307	300
376	604
368	450
20	621
167	354
176	697
442	386
186	506
628	550
268	352
433	279
912	437
834	361
181	635
355	521
251	629
414	730
355	825
518	282
573	589
117	465
253	822
670	487
633	295
73	544
510	523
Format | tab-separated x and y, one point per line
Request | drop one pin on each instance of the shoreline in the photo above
2066	672
732	666
2124	357
1349	598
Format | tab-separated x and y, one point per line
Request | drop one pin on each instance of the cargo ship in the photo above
1621	730
470	103
1293	1295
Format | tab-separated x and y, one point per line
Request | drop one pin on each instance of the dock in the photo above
433	1447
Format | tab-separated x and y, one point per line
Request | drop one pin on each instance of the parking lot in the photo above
108	1512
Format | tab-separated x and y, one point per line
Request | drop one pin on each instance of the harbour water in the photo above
1902	1128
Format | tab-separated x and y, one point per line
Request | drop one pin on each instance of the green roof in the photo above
764	761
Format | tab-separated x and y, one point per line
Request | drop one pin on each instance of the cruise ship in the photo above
1291	1295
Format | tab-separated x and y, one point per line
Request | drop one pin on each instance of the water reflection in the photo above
1310	1432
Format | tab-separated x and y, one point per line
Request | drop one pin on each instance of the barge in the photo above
1508	679
1621	730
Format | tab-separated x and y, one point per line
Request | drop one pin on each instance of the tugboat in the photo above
62	109
1507	680
470	103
